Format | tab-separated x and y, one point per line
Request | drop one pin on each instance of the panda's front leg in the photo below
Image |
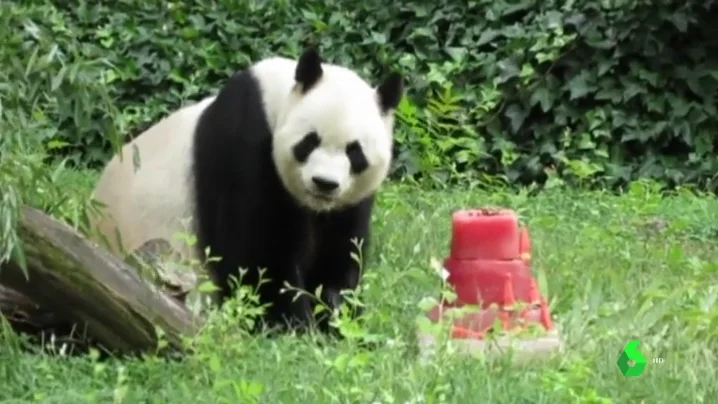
287	309
334	274
342	244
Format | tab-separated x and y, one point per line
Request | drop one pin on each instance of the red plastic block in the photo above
483	281
491	234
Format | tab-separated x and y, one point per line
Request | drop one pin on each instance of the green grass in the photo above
609	273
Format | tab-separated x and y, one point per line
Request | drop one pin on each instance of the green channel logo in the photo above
631	353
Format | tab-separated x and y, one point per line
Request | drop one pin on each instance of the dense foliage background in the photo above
596	89
590	92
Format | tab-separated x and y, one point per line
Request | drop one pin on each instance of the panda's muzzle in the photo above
324	186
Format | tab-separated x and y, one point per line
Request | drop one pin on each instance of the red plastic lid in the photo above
485	233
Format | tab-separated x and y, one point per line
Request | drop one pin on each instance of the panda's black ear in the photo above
390	92
309	69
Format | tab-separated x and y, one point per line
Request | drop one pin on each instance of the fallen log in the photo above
43	327
85	285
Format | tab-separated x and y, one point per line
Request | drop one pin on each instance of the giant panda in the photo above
276	173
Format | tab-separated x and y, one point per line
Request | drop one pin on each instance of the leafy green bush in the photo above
609	90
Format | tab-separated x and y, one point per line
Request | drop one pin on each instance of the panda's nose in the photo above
324	184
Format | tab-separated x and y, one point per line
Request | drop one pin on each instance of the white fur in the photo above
152	202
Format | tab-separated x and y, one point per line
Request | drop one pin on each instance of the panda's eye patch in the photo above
356	156
306	146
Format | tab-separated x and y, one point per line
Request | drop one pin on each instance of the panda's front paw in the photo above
332	298
333	301
289	313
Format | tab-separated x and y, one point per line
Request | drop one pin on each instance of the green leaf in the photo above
576	19
457	54
611	94
487	36
543	96
680	20
604	66
631	90
57	144
518	7
207	287
19	257
579	86
508	70
516	116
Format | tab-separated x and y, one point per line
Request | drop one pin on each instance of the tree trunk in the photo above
85	285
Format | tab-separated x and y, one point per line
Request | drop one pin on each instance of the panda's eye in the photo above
306	146
356	156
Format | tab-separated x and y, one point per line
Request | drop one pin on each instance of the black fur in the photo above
357	159
309	69
390	92
245	216
306	146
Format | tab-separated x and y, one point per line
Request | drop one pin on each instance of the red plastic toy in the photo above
489	267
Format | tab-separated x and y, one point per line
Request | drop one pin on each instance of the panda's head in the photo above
333	141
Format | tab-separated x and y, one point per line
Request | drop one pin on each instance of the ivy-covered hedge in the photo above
614	89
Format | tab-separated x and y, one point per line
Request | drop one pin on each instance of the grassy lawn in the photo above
611	274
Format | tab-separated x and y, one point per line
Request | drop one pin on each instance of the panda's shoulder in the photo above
269	69
274	62
266	76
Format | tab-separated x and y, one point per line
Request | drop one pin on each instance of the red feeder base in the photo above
489	268
468	332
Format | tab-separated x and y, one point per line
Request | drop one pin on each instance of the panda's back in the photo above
147	201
